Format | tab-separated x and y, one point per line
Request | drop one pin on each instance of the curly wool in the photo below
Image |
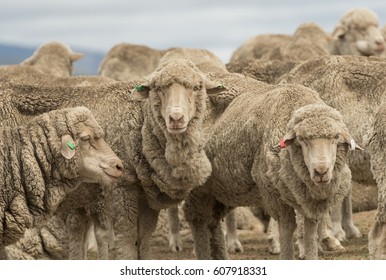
35	174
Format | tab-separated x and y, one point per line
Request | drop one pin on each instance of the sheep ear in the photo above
289	138
213	88
339	32
68	148
140	92
346	138
76	56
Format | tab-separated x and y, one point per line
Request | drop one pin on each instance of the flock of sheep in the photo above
286	126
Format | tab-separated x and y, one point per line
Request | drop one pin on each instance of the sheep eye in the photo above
337	137
85	138
300	139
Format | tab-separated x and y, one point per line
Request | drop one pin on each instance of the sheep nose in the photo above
114	164
321	170
119	165
176	116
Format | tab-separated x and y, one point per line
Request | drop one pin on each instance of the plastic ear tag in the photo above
71	145
281	144
139	88
220	86
352	145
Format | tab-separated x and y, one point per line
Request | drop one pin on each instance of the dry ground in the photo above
255	245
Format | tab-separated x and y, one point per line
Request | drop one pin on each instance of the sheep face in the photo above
319	157
178	106
177	91
359	27
97	162
316	132
370	41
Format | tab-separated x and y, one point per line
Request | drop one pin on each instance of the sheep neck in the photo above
179	162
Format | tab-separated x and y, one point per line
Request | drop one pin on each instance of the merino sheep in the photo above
355	86
44	160
249	170
256	47
126	62
356	33
53	58
309	41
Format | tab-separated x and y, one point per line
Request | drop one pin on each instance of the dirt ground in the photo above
256	246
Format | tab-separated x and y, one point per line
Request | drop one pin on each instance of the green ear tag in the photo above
139	88
71	145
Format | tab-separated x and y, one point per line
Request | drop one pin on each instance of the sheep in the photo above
256	47
247	169
356	33
375	143
355	86
44	160
53	58
129	62
100	94
308	41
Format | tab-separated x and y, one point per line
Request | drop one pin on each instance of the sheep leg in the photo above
273	237
217	239
77	223
336	219
102	234
198	209
325	231
125	217
287	226
310	239
347	222
232	241
175	242
147	223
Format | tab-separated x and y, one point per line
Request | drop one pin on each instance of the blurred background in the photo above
93	27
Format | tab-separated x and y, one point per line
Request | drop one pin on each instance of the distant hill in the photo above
88	65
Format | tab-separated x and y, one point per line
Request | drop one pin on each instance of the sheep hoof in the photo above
353	232
333	244
274	247
235	246
175	244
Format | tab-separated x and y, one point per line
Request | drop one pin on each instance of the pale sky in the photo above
218	25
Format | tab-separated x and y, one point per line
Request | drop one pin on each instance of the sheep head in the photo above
178	89
318	130
86	148
360	28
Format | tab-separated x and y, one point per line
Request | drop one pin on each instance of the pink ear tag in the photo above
282	144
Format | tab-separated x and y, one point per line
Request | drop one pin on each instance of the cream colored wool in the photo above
248	170
36	177
125	62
